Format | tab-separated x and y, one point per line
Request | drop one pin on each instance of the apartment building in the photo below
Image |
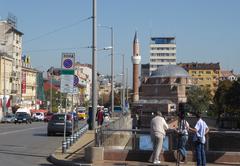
162	52
11	44
204	74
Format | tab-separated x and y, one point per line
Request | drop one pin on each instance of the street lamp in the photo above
112	65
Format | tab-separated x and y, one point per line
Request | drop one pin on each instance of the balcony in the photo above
13	91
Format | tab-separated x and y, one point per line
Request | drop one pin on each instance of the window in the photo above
208	72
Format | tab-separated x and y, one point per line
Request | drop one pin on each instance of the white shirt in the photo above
158	125
201	127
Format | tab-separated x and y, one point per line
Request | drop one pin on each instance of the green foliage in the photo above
220	97
227	98
198	99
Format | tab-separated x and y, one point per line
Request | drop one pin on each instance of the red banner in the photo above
23	83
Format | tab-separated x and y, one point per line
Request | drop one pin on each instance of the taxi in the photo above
81	113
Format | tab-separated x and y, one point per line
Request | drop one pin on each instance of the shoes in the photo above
183	160
156	162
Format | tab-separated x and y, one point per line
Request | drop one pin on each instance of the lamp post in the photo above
123	85
112	65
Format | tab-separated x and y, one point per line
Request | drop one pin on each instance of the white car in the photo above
38	116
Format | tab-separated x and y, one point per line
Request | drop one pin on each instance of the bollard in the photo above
77	134
74	137
68	142
64	146
71	140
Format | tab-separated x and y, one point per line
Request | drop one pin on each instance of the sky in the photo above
206	31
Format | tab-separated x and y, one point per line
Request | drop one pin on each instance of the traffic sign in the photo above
68	60
66	84
75	80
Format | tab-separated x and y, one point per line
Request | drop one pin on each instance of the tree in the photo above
198	99
219	99
233	98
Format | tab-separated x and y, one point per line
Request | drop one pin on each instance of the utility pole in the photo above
51	73
112	71
123	84
127	85
94	66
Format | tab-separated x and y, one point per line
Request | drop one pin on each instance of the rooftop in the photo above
170	71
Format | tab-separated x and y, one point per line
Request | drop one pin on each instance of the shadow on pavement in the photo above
22	154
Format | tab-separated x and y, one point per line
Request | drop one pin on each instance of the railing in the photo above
135	139
103	132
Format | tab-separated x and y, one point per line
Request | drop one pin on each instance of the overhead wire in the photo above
56	49
58	29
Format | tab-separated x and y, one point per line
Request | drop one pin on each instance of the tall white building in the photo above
162	52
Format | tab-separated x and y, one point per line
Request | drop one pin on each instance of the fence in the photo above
140	140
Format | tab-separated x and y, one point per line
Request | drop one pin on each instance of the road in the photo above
26	144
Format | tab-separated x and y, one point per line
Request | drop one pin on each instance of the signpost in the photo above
67	80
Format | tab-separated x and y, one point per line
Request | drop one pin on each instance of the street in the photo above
26	144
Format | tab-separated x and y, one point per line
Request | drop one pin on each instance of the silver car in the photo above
8	118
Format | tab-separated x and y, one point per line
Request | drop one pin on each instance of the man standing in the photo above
158	131
182	131
199	139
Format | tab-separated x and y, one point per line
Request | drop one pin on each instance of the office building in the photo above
162	52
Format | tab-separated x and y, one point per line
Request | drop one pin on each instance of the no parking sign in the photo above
67	72
68	60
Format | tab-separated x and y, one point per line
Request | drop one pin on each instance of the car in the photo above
56	124
81	113
8	118
22	117
48	116
38	116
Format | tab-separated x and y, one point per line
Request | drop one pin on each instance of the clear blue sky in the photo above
205	31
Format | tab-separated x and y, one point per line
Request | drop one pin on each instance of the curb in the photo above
52	159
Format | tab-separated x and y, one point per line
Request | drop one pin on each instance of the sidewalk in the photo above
75	156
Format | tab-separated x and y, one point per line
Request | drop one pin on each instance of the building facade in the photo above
162	91
29	85
204	74
228	75
162	52
11	43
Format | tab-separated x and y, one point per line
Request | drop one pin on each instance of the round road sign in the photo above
67	63
76	80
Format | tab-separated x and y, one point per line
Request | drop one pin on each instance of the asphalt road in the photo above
26	144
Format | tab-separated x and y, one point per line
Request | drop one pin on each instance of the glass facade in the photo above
163	40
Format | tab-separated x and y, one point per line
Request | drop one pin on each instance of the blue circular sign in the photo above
67	63
76	80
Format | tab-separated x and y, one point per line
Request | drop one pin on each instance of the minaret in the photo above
136	58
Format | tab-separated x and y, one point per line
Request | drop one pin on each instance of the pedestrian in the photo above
182	131
158	132
100	116
200	130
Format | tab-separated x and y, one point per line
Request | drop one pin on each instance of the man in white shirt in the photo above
200	130
158	132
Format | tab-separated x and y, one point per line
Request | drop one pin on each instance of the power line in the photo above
56	49
58	29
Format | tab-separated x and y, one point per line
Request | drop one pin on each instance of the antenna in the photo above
12	20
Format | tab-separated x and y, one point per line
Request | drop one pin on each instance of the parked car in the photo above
48	116
38	116
56	124
8	118
22	117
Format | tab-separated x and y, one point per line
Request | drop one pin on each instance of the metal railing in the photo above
136	139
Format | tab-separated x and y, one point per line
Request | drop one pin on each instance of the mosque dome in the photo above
169	71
